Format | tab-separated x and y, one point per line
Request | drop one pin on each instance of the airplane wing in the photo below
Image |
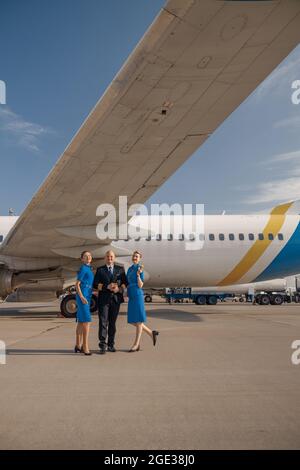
196	63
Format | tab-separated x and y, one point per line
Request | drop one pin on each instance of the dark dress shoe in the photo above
102	351
154	336
111	349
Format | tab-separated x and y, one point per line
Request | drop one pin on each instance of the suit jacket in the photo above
103	276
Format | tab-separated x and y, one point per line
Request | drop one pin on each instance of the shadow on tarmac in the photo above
32	313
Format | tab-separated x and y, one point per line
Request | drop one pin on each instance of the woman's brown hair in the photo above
136	253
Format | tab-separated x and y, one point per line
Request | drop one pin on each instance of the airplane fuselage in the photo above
236	249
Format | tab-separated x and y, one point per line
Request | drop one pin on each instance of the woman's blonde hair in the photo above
136	252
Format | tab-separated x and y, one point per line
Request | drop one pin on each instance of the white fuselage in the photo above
176	263
228	255
6	223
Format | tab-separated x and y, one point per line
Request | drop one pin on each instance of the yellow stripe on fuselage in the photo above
274	224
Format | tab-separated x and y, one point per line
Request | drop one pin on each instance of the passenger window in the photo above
251	236
158	237
211	236
181	237
170	237
280	236
241	236
231	236
192	237
221	236
270	236
260	236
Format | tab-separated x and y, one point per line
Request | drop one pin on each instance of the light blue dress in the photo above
136	310
85	276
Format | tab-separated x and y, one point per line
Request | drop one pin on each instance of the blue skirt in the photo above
136	310
83	314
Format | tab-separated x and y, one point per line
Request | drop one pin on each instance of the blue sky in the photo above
58	57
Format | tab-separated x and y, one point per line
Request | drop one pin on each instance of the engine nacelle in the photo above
6	282
29	282
29	295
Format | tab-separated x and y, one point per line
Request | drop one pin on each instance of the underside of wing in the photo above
197	62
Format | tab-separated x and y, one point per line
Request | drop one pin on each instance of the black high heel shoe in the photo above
134	350
154	336
77	349
87	353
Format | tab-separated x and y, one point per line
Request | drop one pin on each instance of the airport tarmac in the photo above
220	377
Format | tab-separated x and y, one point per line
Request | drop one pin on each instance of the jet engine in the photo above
30	283
6	282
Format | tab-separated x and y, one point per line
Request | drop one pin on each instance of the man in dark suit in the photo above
110	281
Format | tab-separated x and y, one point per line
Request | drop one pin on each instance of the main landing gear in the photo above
68	306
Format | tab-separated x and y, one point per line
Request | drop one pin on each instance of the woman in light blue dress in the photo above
136	314
84	290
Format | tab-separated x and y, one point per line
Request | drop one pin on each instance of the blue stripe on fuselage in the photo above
287	262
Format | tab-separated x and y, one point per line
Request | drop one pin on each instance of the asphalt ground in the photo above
220	377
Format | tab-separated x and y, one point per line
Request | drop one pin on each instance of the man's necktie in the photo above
110	268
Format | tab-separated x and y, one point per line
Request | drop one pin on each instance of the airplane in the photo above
193	67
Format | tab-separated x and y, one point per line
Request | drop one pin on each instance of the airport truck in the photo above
273	292
277	298
180	294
